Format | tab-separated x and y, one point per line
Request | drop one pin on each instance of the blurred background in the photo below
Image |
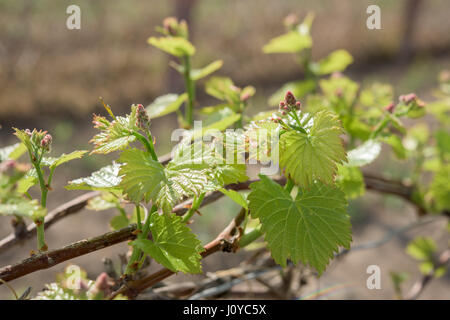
51	78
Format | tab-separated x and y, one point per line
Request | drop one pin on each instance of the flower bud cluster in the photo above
408	98
46	142
143	120
289	104
390	107
173	27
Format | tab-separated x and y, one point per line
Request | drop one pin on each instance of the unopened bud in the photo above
245	96
170	24
336	75
291	21
390	107
298	104
407	98
143	120
289	98
46	142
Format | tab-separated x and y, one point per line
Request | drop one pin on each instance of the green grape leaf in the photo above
223	89
12	152
197	74
440	188
192	171
118	222
206	166
175	46
213	109
299	88
348	91
114	135
364	154
236	197
440	110
173	244
376	95
290	42
103	202
104	179
421	248
336	61
23	207
219	125
443	142
27	181
53	162
142	177
351	181
315	155
396	144
165	105
309	228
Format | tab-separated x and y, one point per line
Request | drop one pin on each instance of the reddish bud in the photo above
336	75
143	120
46	142
245	96
407	98
289	98
390	107
291	21
298	104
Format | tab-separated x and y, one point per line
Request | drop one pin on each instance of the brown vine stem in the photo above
51	258
225	241
60	212
41	261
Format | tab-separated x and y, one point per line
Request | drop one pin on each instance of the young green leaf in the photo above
114	135
197	74
421	248
364	154
351	181
12	152
27	181
142	177
315	155
290	42
165	105
104	179
23	207
223	89
175	46
236	197
53	162
173	244
309	228
336	61
440	188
